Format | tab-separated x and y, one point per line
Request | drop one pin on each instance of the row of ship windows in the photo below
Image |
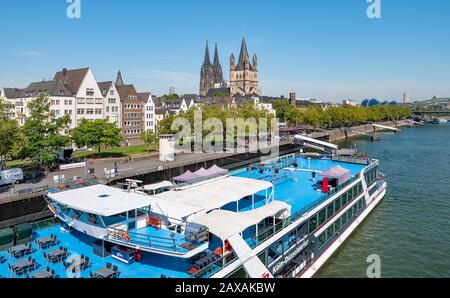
333	208
340	222
371	176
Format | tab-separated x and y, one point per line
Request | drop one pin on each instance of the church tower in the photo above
211	75
244	79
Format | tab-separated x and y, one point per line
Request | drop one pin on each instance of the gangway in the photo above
315	142
252	264
386	127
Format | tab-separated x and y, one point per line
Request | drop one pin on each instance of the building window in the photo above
98	111
111	100
89	92
111	92
80	111
89	111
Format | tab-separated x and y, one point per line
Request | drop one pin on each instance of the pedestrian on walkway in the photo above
116	168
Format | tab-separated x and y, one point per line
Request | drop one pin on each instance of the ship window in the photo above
322	217
349	214
337	205
322	239
330	232
355	208
344	218
344	200
313	223
337	225
330	210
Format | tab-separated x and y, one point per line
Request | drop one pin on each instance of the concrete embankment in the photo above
341	134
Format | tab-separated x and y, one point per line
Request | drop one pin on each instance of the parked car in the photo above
12	176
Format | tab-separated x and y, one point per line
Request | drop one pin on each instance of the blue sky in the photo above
324	49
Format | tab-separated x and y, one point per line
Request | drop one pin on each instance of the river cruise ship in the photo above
281	218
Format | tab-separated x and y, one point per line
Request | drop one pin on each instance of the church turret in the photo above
119	80
232	62
255	62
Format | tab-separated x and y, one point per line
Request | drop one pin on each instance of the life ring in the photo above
52	209
126	236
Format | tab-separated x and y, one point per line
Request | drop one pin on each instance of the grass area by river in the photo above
118	152
106	153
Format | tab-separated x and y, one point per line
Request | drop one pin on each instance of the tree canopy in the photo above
11	138
44	133
96	134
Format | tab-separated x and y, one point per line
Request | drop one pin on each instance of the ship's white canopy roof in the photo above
225	224
159	185
108	201
215	194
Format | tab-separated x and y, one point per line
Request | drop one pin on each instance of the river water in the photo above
410	229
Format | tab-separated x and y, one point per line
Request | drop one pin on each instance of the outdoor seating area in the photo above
23	266
20	251
46	242
202	261
44	274
56	255
78	264
109	271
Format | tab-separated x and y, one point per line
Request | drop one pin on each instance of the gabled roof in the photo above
49	88
12	93
104	87
124	90
72	78
144	96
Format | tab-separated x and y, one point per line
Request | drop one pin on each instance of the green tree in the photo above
11	138
171	96
149	138
44	133
96	134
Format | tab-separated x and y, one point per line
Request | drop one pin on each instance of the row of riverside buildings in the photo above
77	93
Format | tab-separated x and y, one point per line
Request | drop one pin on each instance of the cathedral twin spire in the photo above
207	60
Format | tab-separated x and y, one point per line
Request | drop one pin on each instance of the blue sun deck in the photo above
151	266
300	191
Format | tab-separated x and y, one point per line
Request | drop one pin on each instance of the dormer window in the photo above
89	92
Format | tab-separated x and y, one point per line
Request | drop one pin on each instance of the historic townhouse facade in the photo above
84	87
132	112
112	106
149	111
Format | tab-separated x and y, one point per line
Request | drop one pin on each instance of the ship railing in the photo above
222	262
273	230
191	237
142	239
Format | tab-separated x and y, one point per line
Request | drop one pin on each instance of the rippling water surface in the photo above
410	230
